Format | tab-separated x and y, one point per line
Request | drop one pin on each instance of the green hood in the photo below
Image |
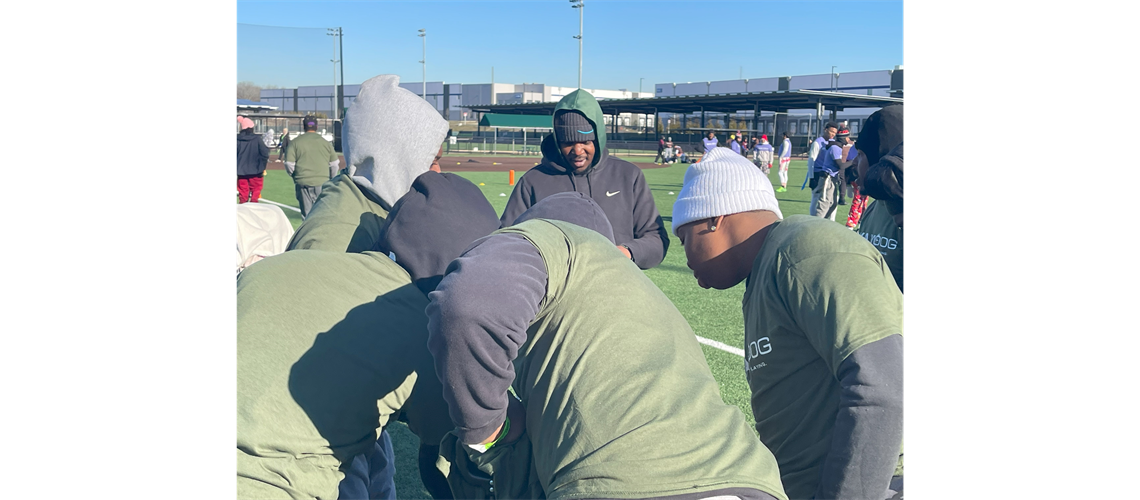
582	101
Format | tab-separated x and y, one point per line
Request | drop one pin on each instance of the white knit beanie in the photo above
723	183
390	137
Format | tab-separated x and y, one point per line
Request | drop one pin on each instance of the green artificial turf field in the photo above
713	314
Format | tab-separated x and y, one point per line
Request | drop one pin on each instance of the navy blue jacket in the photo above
252	153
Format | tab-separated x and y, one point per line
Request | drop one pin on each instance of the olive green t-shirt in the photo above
878	226
312	155
816	293
620	400
329	346
343	219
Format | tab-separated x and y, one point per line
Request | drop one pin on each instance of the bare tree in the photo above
248	90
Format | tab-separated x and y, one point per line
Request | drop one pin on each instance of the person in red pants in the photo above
252	156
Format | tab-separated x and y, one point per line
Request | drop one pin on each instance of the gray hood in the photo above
391	136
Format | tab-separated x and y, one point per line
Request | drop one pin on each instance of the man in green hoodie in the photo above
311	161
574	158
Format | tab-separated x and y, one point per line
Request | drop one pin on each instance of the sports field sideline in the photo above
713	314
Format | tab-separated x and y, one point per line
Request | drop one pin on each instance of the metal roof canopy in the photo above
777	101
515	120
248	104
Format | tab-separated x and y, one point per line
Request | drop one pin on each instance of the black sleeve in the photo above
520	200
650	239
868	428
262	152
477	320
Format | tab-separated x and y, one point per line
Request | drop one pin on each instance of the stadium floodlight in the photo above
578	4
423	34
335	33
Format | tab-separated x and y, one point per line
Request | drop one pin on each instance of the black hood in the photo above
248	135
573	207
434	223
882	131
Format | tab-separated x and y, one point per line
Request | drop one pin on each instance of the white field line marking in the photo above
295	209
719	345
285	206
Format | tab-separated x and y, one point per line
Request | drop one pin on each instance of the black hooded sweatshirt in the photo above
252	153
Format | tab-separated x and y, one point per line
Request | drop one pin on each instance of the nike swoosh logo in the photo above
613	193
586	132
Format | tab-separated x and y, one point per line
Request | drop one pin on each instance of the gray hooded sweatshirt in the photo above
391	137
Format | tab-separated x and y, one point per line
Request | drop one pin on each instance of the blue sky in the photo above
531	41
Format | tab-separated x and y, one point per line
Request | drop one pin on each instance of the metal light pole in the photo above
340	90
639	82
834	78
578	4
423	34
335	34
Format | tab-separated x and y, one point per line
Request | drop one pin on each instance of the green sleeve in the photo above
332	153
842	302
337	236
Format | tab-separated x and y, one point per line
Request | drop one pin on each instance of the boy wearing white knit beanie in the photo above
822	325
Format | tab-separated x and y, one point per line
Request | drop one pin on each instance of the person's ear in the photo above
715	222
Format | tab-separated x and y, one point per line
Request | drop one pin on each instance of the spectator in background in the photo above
710	142
734	144
282	144
762	154
813	152
252	157
827	179
785	160
311	162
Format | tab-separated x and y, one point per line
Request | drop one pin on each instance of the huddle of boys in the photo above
575	377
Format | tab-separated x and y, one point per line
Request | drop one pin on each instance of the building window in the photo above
804	128
853	127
